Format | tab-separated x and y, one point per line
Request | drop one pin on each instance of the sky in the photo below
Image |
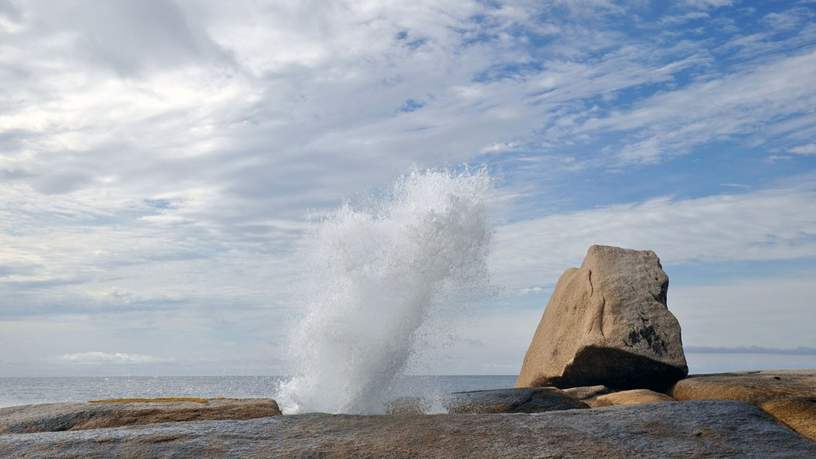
161	161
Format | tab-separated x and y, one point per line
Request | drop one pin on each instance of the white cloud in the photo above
690	16
789	19
99	358
726	313
762	225
708	3
808	149
532	289
189	183
674	122
158	160
498	148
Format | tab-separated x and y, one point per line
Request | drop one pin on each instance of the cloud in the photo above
107	358
789	19
705	4
9	15
126	37
532	289
160	160
770	224
281	112
675	122
807	149
690	16
725	313
239	139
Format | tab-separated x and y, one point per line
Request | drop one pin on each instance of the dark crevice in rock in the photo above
601	315
662	296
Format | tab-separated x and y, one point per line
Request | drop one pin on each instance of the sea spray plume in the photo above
375	275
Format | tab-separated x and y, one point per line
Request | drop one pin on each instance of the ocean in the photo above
22	391
27	390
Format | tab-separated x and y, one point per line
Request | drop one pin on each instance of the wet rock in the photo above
682	429
528	400
789	396
629	397
54	417
607	323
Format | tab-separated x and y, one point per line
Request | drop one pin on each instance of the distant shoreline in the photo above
749	350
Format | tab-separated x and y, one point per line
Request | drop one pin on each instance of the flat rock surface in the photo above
799	413
788	395
55	417
607	323
527	400
683	429
750	386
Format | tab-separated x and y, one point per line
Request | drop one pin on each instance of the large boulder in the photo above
528	400
55	417
789	396
683	429
607	323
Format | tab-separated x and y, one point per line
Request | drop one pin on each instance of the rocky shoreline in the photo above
57	417
605	376
681	429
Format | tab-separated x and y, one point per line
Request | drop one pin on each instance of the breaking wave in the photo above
375	274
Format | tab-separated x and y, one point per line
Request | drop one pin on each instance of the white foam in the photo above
375	274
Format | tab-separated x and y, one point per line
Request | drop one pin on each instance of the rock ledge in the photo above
55	417
681	429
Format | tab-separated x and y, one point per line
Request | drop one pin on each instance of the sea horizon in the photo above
24	390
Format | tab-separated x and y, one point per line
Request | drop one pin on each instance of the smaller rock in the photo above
586	392
798	413
789	396
629	397
407	406
524	400
752	386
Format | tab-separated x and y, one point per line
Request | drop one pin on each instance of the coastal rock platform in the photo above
787	395
680	429
55	417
